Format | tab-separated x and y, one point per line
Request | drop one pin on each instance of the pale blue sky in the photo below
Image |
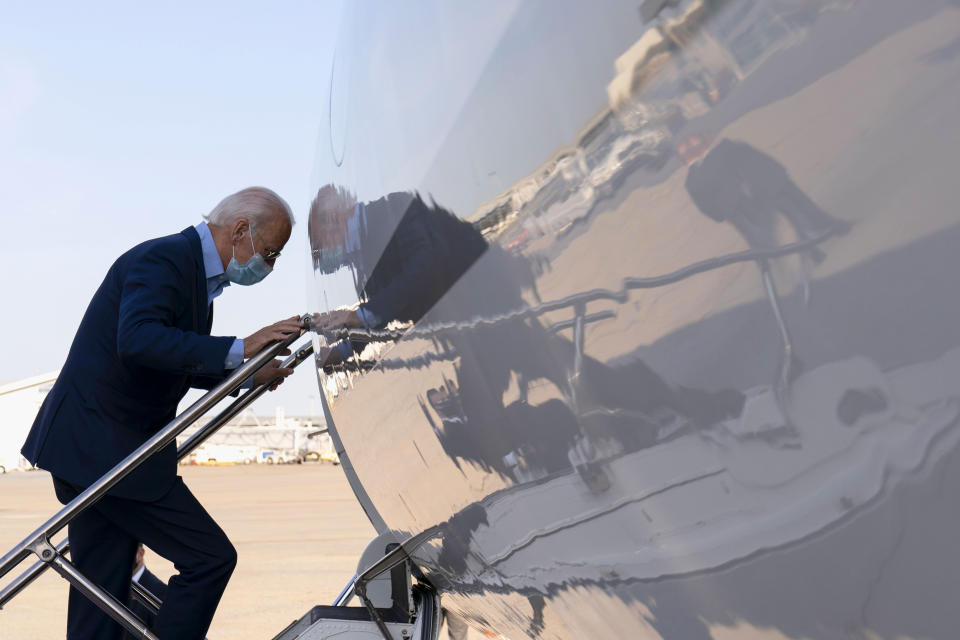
124	121
129	121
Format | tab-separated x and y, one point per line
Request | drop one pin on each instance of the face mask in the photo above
328	260
255	270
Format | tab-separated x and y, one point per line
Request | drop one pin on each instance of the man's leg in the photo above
179	529
805	215
104	553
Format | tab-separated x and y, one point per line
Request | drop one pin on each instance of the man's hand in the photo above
254	343
336	319
271	372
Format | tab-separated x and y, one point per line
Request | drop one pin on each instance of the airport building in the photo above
246	439
250	439
19	403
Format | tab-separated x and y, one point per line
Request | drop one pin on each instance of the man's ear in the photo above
240	227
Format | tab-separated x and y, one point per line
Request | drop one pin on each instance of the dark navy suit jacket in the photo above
143	341
411	269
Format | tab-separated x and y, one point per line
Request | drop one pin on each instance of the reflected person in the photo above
406	255
739	184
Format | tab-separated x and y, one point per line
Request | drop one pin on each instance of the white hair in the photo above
257	204
332	200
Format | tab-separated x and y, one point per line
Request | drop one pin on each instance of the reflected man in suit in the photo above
143	341
406	255
739	184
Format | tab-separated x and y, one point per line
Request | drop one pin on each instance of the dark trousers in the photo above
103	543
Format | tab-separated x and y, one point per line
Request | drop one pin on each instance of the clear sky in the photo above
124	121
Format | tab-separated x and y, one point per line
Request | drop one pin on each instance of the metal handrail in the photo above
441	329
145	596
38	542
109	604
22	581
347	594
195	440
384	564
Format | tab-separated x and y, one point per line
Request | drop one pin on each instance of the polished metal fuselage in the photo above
688	366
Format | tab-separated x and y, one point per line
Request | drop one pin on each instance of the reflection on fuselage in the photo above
599	408
672	355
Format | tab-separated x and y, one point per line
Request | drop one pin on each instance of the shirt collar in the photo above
212	265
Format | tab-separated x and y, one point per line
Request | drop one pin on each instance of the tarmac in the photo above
298	530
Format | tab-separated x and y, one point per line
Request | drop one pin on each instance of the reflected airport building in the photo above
657	322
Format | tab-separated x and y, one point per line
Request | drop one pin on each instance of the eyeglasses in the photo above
267	253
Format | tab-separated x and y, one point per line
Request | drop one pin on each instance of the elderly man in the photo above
143	341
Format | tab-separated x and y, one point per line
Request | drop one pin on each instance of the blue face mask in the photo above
255	270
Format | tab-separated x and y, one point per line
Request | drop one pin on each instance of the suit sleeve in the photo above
154	293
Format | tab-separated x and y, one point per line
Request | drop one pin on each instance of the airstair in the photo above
394	607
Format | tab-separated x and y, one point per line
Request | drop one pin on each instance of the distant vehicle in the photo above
632	151
320	448
279	456
225	454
